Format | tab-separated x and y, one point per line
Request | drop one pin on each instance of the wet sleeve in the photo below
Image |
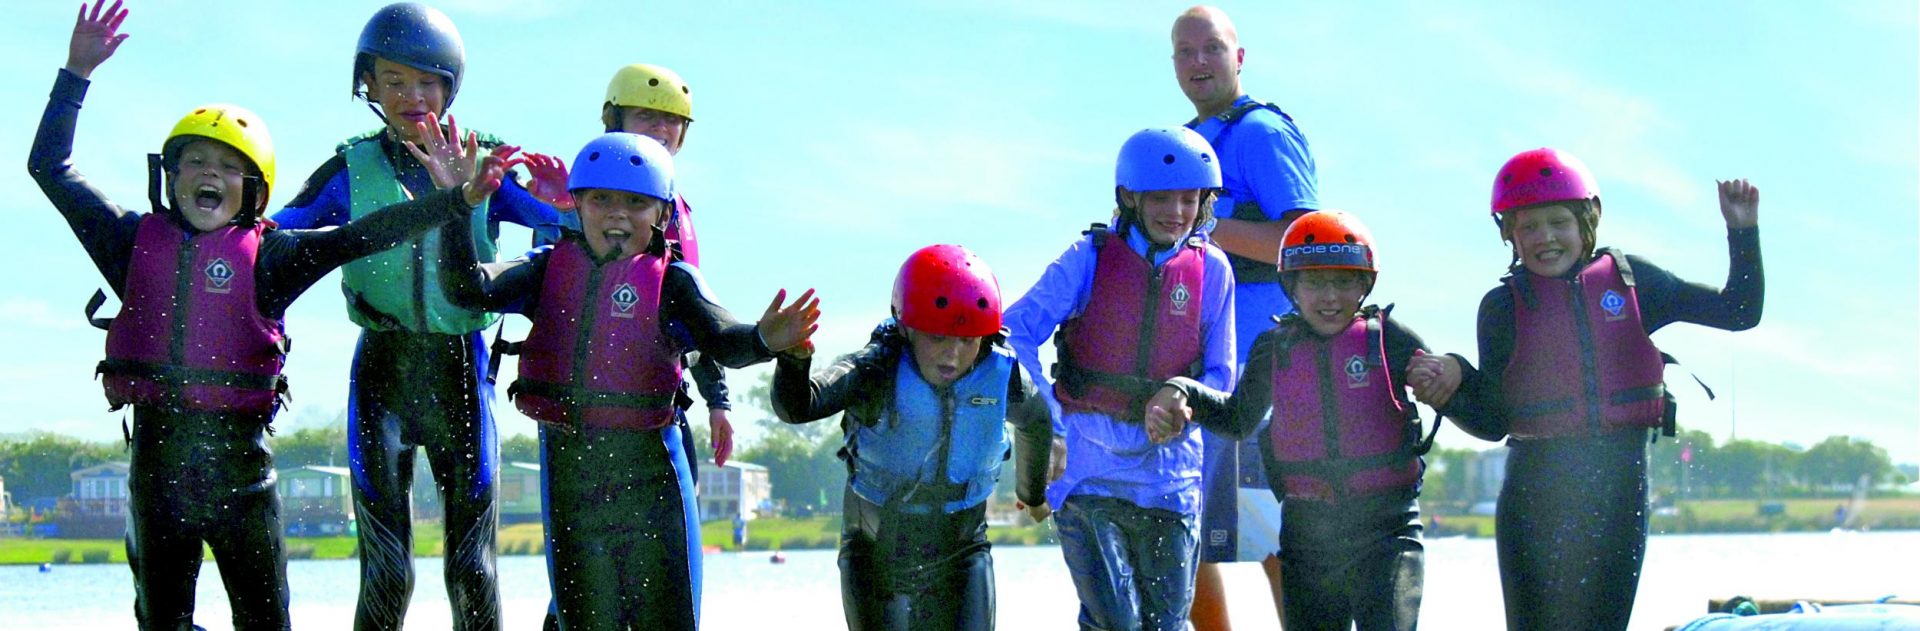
1032	440
104	229
712	381
1478	407
324	200
800	397
1665	298
1239	413
513	204
310	254
1221	352
1401	343
686	300
1031	320
505	287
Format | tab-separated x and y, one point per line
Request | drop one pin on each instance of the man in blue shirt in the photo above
1269	178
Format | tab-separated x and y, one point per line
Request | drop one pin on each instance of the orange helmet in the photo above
1327	239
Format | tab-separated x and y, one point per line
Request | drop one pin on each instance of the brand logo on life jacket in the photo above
1180	297
980	399
1356	368
219	274
624	297
1615	305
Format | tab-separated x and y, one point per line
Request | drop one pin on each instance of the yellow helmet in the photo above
651	87
230	124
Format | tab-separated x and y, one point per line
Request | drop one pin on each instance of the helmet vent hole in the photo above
940	302
593	157
1168	159
200	111
634	159
241	121
1206	157
653	83
1350	238
982	303
1310	239
684	90
1546	172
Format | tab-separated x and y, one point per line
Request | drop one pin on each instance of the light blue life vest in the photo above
932	448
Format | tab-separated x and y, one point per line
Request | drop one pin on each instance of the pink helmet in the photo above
1542	176
946	290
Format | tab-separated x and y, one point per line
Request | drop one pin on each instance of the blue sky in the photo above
834	138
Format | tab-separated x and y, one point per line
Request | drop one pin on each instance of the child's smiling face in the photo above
1547	239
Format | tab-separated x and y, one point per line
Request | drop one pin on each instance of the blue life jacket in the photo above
935	449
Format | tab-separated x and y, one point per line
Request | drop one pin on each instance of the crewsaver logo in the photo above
219	275
1357	372
1180	296
624	297
1614	305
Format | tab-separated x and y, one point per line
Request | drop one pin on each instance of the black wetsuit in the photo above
1350	560
902	568
623	531
1572	522
205	476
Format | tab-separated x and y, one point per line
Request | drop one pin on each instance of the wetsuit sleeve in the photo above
685	299
296	259
800	397
1032	440
324	200
104	229
513	204
1401	343
1478	406
505	287
1239	413
712	381
1666	299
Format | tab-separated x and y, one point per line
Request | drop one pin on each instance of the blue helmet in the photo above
1166	159
416	35
624	161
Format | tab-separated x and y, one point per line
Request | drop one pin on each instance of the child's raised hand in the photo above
440	150
1434	377
487	176
549	179
1167	414
1740	203
782	328
95	37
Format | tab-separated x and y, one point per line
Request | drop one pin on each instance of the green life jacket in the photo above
399	289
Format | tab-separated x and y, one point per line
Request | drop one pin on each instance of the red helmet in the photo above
1327	239
946	290
1542	176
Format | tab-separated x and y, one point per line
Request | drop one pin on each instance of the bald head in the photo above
1210	16
1206	59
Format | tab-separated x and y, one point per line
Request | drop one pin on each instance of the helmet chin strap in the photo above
156	186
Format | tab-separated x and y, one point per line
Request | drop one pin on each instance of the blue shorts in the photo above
1239	516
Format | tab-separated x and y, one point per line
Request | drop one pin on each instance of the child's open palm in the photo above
95	37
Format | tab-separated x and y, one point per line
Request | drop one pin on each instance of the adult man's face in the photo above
1206	60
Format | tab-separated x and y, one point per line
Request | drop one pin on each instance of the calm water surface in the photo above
744	591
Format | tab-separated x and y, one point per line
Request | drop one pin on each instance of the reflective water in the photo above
744	591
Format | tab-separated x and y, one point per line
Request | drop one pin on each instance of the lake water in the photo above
744	591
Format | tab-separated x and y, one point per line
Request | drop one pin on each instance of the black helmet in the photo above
416	35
